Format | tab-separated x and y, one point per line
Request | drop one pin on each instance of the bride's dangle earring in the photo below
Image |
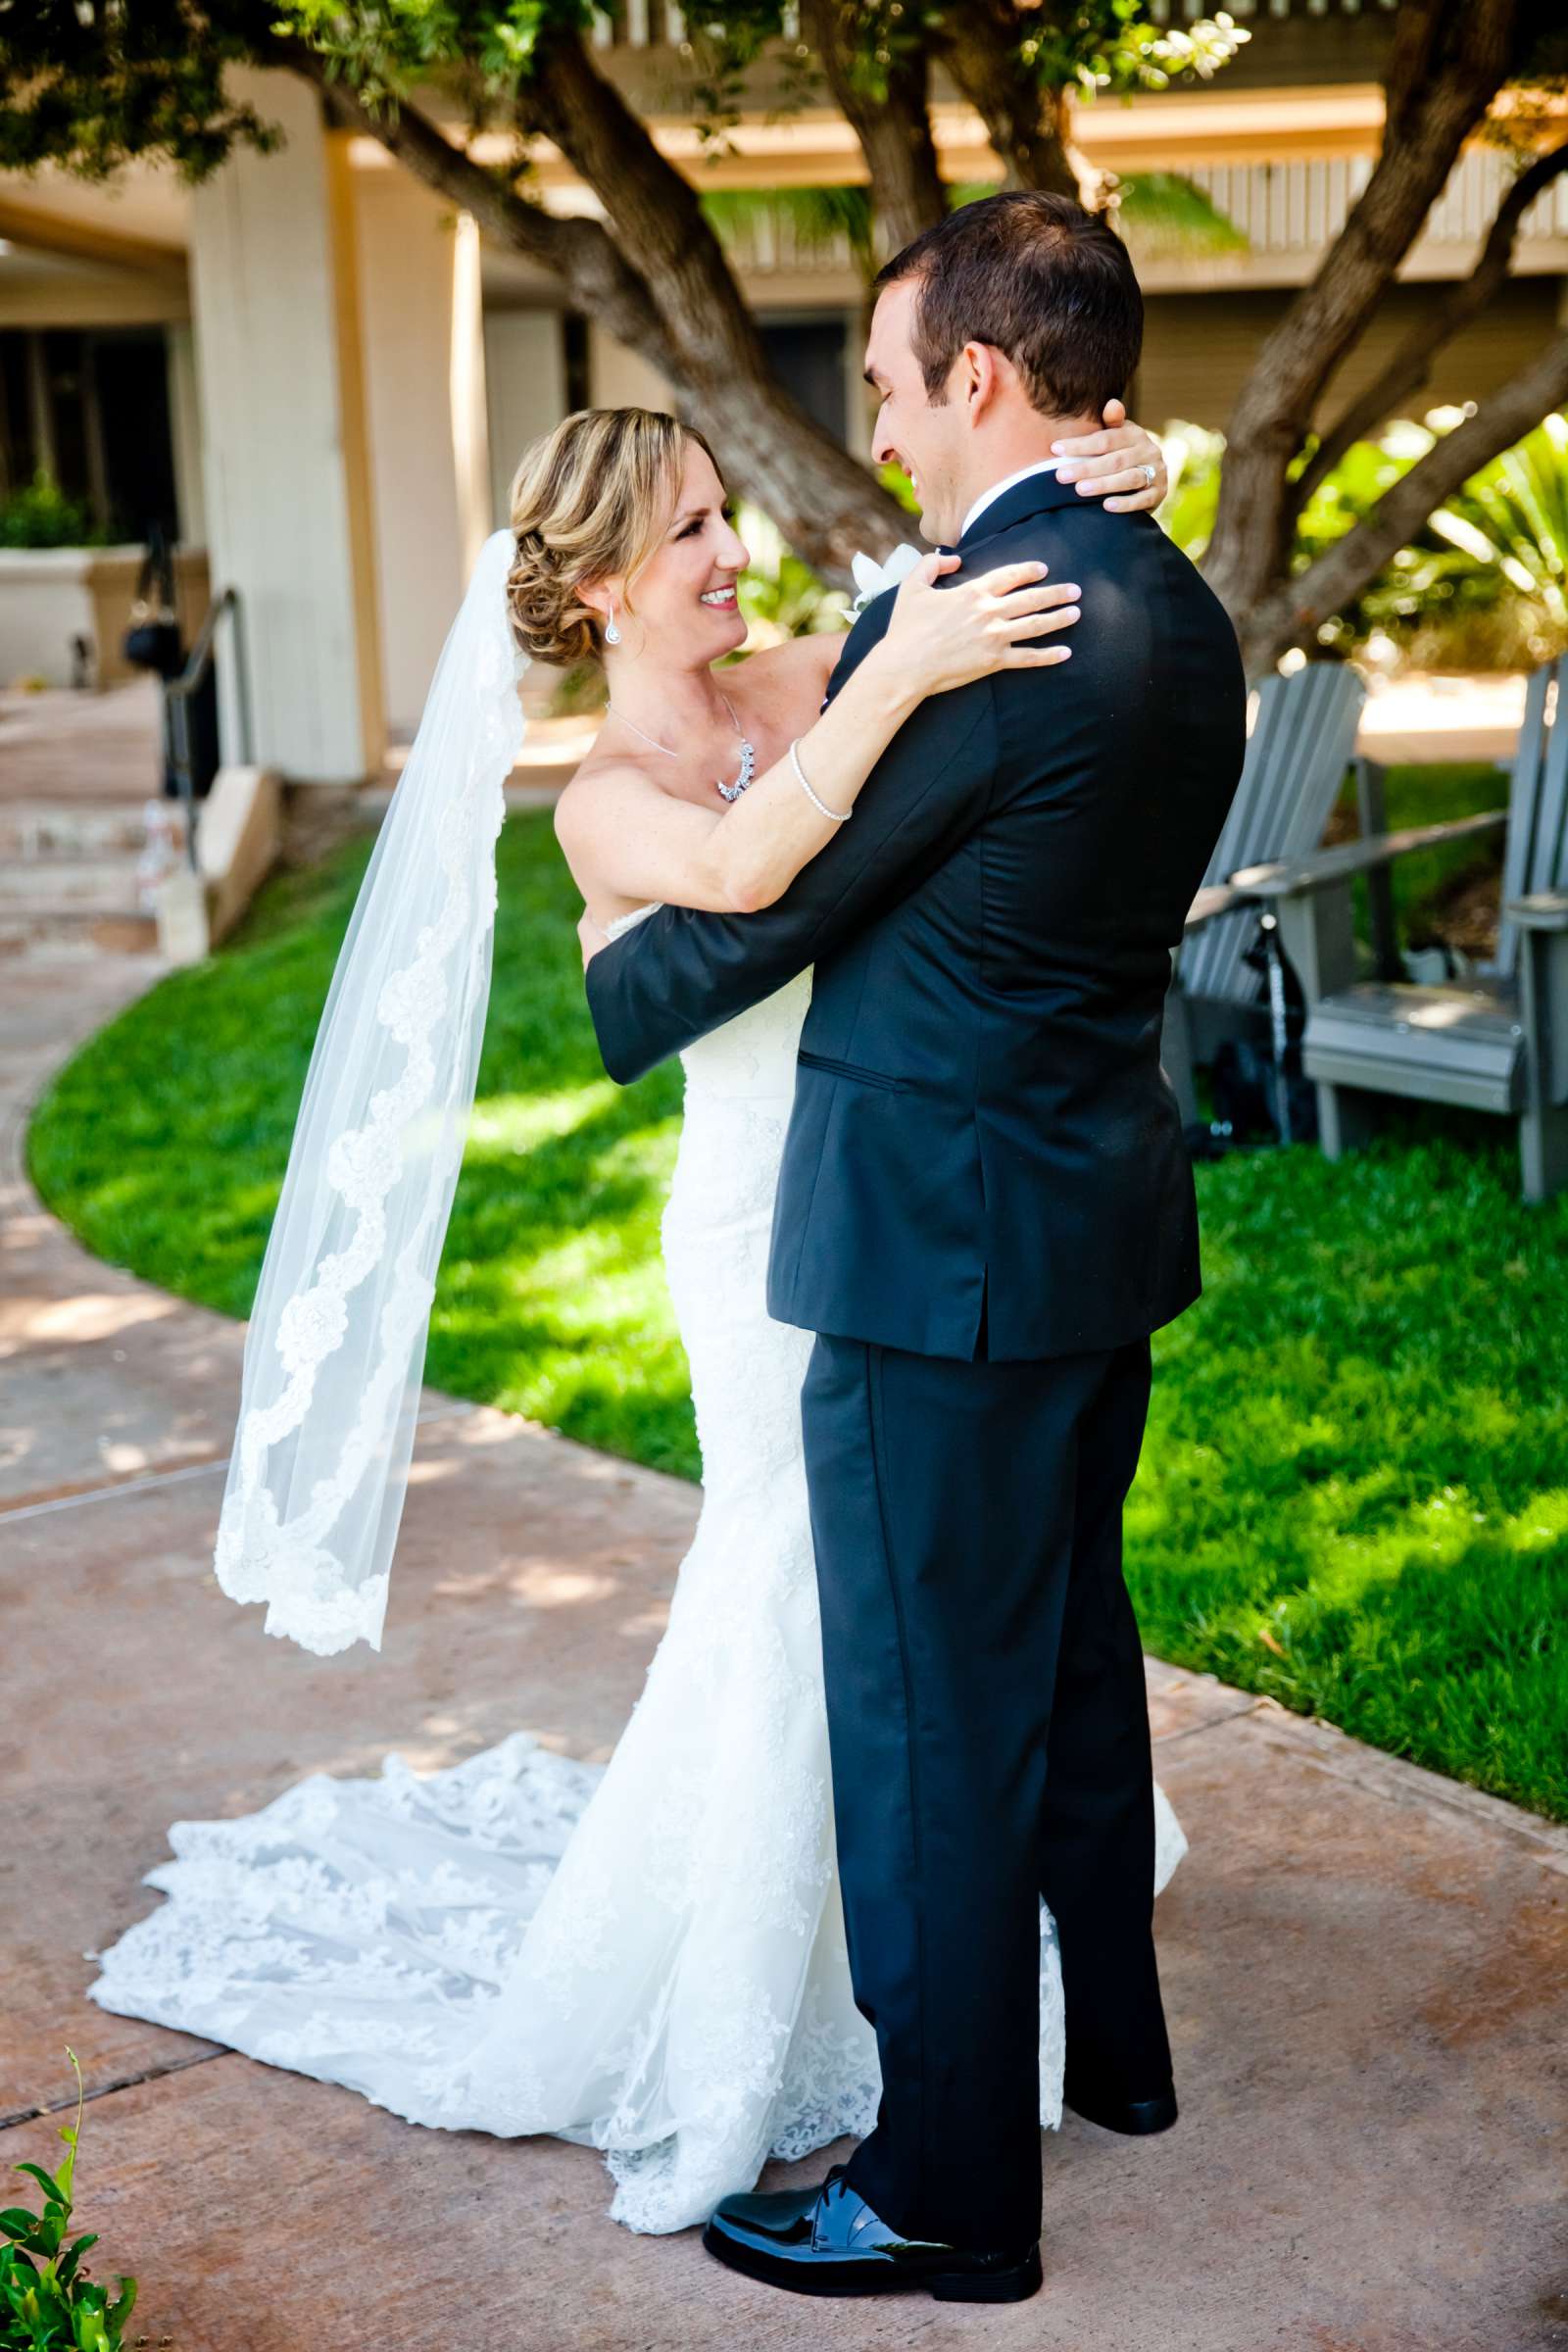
612	633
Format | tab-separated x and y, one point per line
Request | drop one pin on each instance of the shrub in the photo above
780	595
42	515
1484	586
47	2301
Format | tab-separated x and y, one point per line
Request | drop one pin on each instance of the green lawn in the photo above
1355	1489
1435	795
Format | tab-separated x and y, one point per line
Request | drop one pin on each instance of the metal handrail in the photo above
176	701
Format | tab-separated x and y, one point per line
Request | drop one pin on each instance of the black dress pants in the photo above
988	1733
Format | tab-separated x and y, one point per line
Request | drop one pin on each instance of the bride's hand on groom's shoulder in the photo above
947	637
1121	464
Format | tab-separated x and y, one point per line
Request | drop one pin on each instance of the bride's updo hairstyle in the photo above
589	501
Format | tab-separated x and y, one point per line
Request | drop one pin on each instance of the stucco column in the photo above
185	428
424	373
284	440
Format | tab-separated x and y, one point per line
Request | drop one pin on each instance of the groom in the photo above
985	1208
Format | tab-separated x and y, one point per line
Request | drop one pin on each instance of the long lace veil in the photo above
336	1345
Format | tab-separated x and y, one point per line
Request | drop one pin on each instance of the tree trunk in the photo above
1293	611
894	129
824	500
661	285
1450	58
1026	124
1408	368
576	250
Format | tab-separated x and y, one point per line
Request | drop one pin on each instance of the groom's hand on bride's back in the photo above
1122	464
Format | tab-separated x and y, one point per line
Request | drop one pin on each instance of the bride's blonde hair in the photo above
590	501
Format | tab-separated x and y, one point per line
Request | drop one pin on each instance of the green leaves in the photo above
1095	46
1513	519
1484	585
92	87
47	2302
41	515
1164	212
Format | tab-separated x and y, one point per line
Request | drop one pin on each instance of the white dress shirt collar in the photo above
1007	482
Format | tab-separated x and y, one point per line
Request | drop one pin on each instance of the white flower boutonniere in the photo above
871	578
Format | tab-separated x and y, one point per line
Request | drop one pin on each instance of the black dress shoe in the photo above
1113	2112
828	2242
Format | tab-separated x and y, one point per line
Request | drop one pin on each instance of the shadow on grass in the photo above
1355	1496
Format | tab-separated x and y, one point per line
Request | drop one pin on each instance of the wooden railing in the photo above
1282	210
653	24
1297	207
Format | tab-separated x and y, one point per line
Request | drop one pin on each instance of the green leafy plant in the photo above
1193	458
816	216
1164	213
780	595
1483	585
42	515
47	2301
1161	212
1511	519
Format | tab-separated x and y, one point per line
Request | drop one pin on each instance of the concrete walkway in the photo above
1365	1964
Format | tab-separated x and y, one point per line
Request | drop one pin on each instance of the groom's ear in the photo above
981	374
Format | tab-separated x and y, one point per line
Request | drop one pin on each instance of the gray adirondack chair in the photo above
1302	739
1498	1041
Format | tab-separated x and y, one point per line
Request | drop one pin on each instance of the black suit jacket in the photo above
980	1114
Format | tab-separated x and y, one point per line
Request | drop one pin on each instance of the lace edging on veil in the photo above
335	1351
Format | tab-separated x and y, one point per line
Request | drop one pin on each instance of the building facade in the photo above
311	367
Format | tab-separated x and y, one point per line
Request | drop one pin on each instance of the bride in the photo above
647	1958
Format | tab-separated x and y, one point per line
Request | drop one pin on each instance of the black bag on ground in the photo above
1262	1094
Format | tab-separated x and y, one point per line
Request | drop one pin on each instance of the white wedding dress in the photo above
648	1957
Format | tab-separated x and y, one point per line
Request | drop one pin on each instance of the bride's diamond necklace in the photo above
748	765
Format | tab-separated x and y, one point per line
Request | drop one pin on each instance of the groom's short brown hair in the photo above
1038	277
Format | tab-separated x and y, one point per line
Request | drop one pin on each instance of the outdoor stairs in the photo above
69	880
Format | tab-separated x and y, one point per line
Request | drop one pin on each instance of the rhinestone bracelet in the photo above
837	816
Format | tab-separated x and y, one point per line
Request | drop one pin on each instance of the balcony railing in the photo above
1187	11
1288	213
1297	207
653	24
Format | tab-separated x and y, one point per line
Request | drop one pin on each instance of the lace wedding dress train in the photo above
646	1957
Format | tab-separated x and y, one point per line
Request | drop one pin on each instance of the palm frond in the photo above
1165	213
818	217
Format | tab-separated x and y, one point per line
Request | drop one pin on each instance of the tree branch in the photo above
893	126
1025	122
657	278
824	501
580	253
1448	60
1406	371
1294	611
